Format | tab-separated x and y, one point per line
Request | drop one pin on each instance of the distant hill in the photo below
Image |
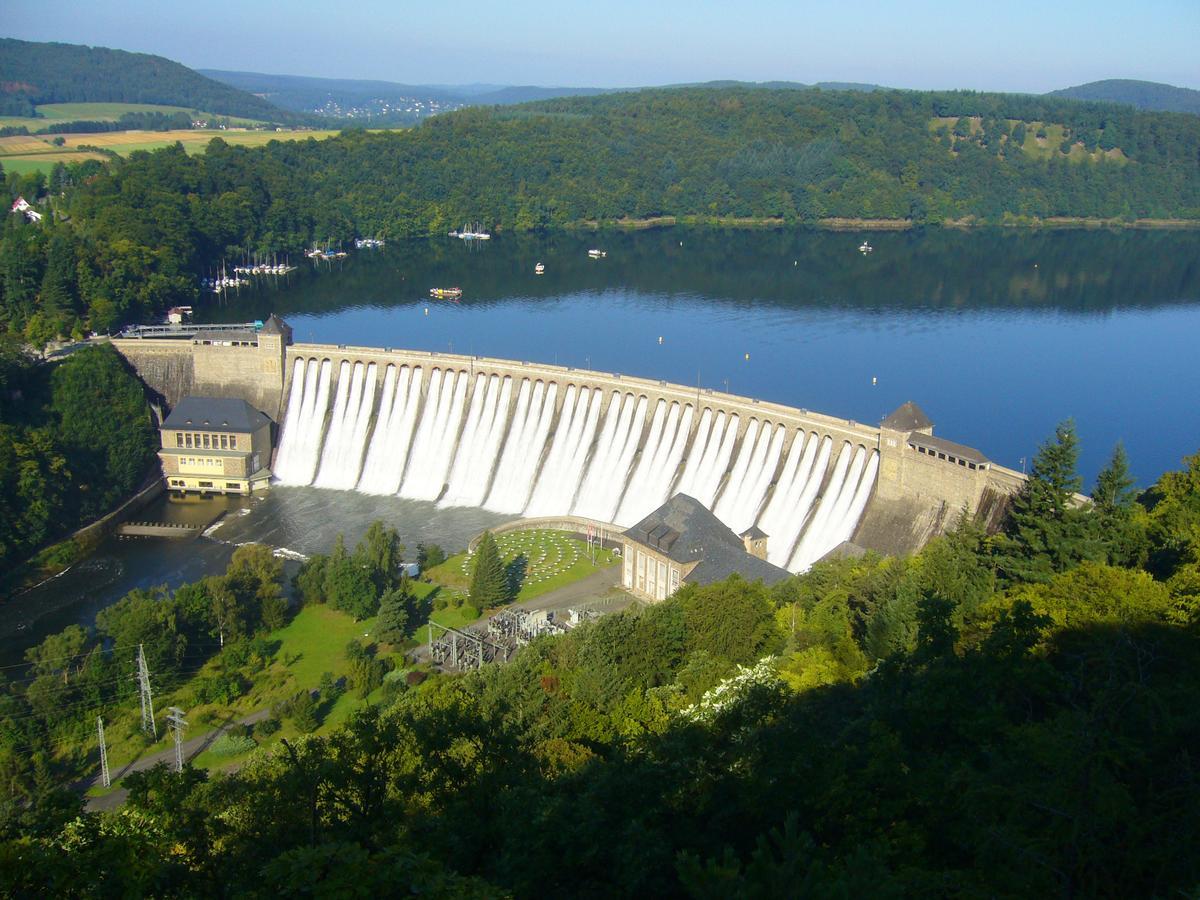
34	73
1142	94
381	102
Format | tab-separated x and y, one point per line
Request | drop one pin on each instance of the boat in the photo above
368	243
865	248
452	293
471	233
539	269
597	254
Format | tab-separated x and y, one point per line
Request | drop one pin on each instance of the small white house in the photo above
21	205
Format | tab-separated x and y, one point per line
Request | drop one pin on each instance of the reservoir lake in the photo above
997	334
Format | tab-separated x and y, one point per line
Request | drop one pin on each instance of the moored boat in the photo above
452	293
539	269
597	254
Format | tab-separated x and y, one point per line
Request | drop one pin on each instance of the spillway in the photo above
557	444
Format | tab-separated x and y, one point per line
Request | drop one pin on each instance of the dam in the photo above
533	440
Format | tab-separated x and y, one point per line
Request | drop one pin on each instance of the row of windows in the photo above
205	461
229	485
951	458
206	441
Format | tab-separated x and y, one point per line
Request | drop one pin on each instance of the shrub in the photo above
267	726
232	745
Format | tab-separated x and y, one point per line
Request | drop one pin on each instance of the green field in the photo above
551	559
28	153
51	113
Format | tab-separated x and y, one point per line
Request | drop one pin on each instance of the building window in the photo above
188	440
206	446
233	485
224	442
233	442
205	483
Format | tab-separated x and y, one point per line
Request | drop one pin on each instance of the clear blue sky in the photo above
1015	45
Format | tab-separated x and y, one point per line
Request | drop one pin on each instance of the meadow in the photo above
27	153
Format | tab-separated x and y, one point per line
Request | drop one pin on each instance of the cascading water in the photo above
507	444
388	453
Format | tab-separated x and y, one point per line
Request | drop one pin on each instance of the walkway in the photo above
191	749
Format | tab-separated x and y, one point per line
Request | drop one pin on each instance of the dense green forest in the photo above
34	73
75	439
1142	94
1006	715
132	236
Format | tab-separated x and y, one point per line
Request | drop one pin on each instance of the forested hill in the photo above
33	73
140	235
1142	94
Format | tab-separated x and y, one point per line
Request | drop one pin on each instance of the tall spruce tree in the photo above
1047	531
392	623
1119	529
489	583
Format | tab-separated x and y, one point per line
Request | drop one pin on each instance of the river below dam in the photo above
997	334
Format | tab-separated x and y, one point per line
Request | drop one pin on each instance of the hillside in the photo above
749	156
1143	94
36	73
380	102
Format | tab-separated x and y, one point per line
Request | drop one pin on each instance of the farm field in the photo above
25	153
100	112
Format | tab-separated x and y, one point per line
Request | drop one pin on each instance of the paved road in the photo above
191	749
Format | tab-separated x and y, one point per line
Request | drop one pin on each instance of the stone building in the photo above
681	541
215	445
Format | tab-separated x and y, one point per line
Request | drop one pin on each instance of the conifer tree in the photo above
1047	531
392	624
489	584
1118	527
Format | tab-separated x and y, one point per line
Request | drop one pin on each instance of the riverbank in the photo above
854	224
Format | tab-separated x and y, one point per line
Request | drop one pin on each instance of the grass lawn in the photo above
540	560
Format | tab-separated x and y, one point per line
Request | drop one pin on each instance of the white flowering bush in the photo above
747	680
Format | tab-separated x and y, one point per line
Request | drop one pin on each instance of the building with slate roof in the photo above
682	541
216	445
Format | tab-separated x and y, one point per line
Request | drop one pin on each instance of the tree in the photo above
489	582
1047	529
380	553
392	625
1120	529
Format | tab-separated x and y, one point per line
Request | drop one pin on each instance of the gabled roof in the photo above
754	533
907	417
275	325
685	531
215	414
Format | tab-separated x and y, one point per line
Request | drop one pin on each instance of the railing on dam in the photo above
748	407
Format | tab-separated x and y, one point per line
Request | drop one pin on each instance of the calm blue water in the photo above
997	335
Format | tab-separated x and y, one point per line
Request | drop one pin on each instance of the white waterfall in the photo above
507	444
559	480
291	419
303	442
479	446
651	481
713	459
433	446
388	453
607	474
738	508
342	457
523	448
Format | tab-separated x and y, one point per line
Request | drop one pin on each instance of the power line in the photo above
143	678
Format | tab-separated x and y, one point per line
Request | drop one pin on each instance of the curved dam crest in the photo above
528	439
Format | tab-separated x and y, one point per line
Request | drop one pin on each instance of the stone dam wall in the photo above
917	495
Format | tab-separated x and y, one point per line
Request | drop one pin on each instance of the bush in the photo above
222	688
267	726
232	745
